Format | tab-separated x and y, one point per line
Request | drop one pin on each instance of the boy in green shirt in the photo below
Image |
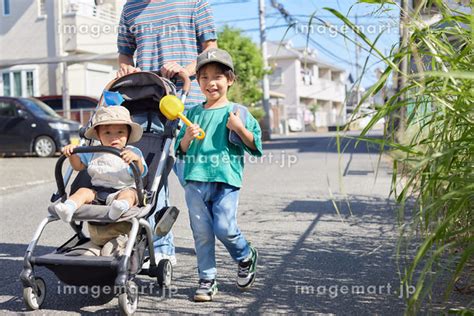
213	171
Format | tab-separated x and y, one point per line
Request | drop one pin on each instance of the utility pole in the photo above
266	130
402	75
59	9
357	73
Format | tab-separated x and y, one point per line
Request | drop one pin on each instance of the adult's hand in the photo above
171	69
126	69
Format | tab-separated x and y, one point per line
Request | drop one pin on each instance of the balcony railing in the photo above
101	12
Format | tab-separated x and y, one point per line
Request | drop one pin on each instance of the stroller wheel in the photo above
34	299
165	273
128	301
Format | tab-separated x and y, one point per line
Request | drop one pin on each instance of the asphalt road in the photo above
312	259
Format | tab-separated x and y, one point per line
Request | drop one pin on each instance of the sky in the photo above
330	46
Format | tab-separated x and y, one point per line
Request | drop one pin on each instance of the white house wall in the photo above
23	33
77	79
288	86
323	89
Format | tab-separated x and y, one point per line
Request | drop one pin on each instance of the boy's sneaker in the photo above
206	291
247	270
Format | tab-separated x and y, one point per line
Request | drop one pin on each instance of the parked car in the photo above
81	106
295	125
27	125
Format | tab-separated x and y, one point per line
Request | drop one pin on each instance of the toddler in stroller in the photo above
142	92
111	178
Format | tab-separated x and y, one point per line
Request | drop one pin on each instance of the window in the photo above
20	83
276	77
42	8
307	76
82	104
6	84
38	108
55	104
6	7
17	84
30	89
7	109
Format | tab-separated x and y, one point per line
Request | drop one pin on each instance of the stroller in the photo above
142	92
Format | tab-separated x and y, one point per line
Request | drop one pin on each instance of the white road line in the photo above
27	184
13	258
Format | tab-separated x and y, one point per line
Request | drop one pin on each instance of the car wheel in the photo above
44	146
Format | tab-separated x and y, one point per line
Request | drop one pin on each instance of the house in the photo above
430	13
314	90
38	38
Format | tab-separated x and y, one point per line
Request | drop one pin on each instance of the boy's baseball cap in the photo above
214	55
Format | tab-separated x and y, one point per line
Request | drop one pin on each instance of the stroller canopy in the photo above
142	91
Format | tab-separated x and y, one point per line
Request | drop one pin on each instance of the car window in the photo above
55	104
38	108
82	104
7	108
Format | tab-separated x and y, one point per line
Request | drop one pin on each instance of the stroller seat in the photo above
98	213
151	146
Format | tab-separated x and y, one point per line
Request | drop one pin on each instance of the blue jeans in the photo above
213	213
163	244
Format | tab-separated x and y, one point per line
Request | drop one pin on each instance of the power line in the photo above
347	16
229	2
268	28
293	21
246	19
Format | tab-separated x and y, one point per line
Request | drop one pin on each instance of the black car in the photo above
81	106
27	125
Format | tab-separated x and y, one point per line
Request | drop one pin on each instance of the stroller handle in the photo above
186	83
94	149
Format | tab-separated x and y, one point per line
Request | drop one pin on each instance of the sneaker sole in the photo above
204	298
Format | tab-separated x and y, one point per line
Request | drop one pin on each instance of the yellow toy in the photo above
172	107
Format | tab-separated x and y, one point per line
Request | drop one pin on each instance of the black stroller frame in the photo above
118	271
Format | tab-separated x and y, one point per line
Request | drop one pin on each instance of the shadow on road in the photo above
11	262
340	270
326	144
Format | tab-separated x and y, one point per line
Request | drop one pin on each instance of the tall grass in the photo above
434	165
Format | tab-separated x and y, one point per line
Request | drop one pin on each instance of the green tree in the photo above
248	64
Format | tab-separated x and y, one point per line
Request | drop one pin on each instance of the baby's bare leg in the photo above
130	195
83	196
66	210
125	199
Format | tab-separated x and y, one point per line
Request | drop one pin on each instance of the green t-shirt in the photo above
214	158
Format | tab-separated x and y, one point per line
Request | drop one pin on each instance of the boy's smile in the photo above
214	84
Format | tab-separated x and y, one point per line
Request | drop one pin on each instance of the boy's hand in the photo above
128	156
234	123
68	149
192	132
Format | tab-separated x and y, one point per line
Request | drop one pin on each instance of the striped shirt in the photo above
161	31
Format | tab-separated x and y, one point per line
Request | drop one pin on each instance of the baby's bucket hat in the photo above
115	114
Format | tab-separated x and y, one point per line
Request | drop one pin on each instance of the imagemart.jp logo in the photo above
96	291
336	290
